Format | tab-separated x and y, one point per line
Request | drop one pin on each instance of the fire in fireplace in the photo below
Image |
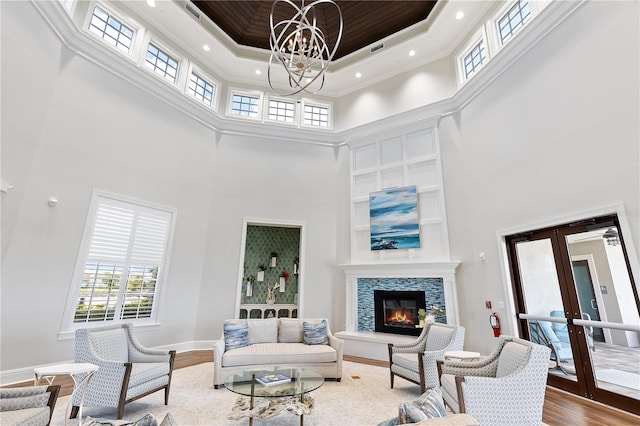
397	311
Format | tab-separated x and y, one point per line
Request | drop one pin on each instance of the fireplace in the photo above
397	311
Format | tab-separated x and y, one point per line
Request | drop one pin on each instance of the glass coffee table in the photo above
273	399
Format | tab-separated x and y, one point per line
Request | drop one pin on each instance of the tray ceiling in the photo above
365	22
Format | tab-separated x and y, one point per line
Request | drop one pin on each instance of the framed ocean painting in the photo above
394	219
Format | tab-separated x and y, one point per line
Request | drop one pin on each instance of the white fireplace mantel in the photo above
444	270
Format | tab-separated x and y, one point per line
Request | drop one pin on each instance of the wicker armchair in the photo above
28	406
416	361
127	370
513	375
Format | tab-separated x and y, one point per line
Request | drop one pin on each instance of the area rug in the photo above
620	378
363	397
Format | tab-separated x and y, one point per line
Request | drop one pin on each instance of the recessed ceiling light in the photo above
206	48
412	52
258	72
358	75
151	3
460	14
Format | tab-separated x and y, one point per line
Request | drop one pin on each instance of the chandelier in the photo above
301	47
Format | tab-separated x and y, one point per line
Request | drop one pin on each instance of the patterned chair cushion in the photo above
20	403
147	371
428	406
236	334
315	333
449	391
512	358
438	337
111	344
406	360
26	417
23	391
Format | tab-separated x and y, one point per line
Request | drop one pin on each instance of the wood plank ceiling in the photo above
365	22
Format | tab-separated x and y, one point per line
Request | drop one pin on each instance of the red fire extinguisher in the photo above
495	324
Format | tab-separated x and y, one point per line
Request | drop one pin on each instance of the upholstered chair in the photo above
28	406
416	361
506	388
127	370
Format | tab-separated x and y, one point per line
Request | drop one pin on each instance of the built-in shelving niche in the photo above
261	239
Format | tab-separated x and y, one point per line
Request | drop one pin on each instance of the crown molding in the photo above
428	115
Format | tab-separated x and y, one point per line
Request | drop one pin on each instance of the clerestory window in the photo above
121	267
473	60
201	89
111	30
512	21
245	105
280	110
162	63
316	115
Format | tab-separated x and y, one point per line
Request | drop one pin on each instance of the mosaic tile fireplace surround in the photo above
432	287
436	279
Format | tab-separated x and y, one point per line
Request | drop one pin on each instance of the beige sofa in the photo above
278	342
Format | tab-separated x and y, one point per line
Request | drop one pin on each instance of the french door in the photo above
575	294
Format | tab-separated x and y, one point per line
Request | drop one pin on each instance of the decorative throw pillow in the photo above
263	330
290	330
90	421
169	420
236	334
389	422
315	333
146	420
430	405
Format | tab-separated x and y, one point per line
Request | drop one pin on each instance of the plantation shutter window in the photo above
126	254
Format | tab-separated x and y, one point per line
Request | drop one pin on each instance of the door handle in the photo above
594	304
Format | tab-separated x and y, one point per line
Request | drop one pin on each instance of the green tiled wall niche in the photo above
260	242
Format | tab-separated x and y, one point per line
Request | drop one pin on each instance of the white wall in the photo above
430	83
263	179
72	126
554	135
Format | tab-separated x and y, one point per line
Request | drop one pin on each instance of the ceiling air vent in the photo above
192	9
377	47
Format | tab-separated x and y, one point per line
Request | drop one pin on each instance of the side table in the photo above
49	373
462	355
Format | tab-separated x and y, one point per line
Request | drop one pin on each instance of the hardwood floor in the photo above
560	408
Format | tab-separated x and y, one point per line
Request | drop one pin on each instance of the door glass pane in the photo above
605	293
542	296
